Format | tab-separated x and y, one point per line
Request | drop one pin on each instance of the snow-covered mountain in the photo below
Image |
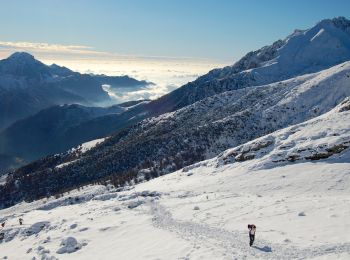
293	184
304	51
21	71
22	68
265	141
202	130
28	86
222	109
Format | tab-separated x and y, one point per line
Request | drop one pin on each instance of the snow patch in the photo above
317	34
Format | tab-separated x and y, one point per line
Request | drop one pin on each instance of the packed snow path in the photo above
235	244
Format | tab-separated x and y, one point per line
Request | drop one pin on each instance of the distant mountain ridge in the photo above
28	85
121	81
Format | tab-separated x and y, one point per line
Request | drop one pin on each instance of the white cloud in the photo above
149	92
40	47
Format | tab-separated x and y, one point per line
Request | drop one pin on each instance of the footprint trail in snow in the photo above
234	243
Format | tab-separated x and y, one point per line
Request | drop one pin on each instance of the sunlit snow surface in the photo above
301	208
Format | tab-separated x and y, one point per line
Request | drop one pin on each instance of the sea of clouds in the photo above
166	73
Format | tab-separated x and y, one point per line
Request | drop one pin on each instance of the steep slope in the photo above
300	207
21	70
166	143
305	51
326	136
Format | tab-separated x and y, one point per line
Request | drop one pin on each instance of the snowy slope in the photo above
304	51
200	131
320	47
300	207
316	139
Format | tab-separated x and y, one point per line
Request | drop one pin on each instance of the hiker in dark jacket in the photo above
2	234
252	229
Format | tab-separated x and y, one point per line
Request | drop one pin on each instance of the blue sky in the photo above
212	29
